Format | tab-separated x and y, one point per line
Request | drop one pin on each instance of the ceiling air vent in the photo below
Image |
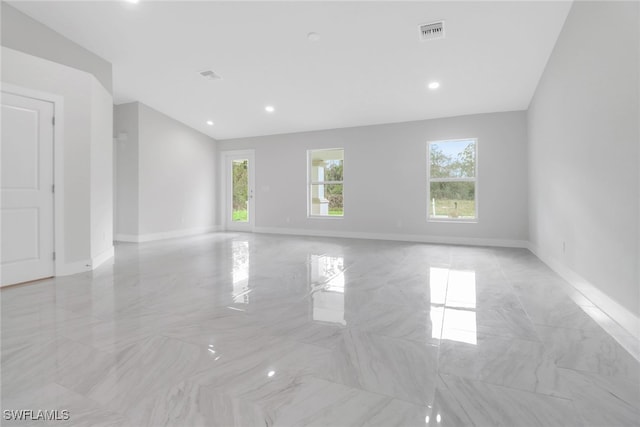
209	75
431	31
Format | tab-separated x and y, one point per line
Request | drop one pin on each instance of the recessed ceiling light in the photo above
132	1
210	122
313	37
269	109
434	85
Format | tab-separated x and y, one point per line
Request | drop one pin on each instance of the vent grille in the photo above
209	75
431	31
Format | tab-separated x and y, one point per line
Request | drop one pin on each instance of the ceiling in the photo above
367	67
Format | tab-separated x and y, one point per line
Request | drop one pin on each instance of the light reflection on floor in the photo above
240	272
244	329
326	278
453	291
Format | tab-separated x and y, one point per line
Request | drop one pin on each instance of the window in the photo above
326	182
452	172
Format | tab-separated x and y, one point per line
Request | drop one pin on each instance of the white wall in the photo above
385	179
584	153
176	176
125	129
21	32
86	148
101	173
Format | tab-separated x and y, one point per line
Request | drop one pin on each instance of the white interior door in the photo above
26	158
240	209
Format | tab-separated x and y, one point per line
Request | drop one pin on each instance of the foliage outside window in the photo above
240	174
452	172
326	182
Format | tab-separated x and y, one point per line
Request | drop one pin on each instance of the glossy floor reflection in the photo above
239	329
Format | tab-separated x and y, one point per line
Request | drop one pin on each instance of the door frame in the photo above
58	165
226	192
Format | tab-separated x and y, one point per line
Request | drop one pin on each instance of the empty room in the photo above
328	213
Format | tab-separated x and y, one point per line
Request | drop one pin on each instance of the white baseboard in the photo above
469	241
69	268
75	267
140	238
624	317
129	238
103	257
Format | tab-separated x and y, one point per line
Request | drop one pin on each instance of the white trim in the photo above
74	268
621	315
447	240
140	238
97	261
452	179
455	220
60	266
127	238
331	217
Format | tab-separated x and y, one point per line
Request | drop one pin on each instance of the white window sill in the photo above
325	217
454	220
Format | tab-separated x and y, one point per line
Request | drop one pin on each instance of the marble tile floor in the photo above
234	329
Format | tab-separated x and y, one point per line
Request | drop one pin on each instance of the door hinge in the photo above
53	120
54	256
53	188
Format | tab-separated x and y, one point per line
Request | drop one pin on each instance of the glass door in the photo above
240	206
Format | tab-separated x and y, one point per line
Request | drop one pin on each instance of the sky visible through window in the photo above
452	148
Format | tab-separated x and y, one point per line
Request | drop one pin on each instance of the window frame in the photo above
473	220
310	183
